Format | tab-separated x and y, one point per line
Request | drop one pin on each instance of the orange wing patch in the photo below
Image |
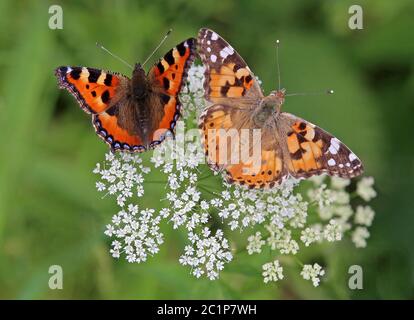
305	151
230	81
168	120
215	119
268	176
106	126
170	110
94	89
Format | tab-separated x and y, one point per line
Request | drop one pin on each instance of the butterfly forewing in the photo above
166	79
227	76
96	90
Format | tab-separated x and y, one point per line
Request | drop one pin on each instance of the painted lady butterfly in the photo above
290	146
132	114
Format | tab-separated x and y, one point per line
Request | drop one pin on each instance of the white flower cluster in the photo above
242	207
365	189
312	273
207	254
137	233
339	212
180	161
255	243
363	216
311	234
283	219
121	176
272	271
281	239
192	95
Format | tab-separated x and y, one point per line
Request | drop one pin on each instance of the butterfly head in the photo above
275	99
139	82
279	94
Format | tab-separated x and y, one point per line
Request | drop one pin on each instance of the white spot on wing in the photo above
213	58
331	162
214	36
227	51
69	69
352	157
334	147
208	49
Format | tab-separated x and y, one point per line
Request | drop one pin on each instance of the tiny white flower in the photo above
322	196
326	213
344	212
360	236
100	186
339	183
340	197
333	231
365	188
364	215
110	230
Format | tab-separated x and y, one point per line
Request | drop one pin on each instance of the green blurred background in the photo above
50	212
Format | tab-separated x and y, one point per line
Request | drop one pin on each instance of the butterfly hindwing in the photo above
108	128
232	146
313	151
227	76
96	90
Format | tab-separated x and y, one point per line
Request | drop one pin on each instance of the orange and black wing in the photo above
101	94
107	126
312	151
95	90
227	76
166	79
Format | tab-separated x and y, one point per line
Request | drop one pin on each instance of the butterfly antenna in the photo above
159	45
277	61
329	91
113	55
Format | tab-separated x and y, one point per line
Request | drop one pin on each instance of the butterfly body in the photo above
269	108
288	145
139	83
132	114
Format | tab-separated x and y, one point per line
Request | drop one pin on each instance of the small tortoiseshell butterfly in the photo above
290	146
132	114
